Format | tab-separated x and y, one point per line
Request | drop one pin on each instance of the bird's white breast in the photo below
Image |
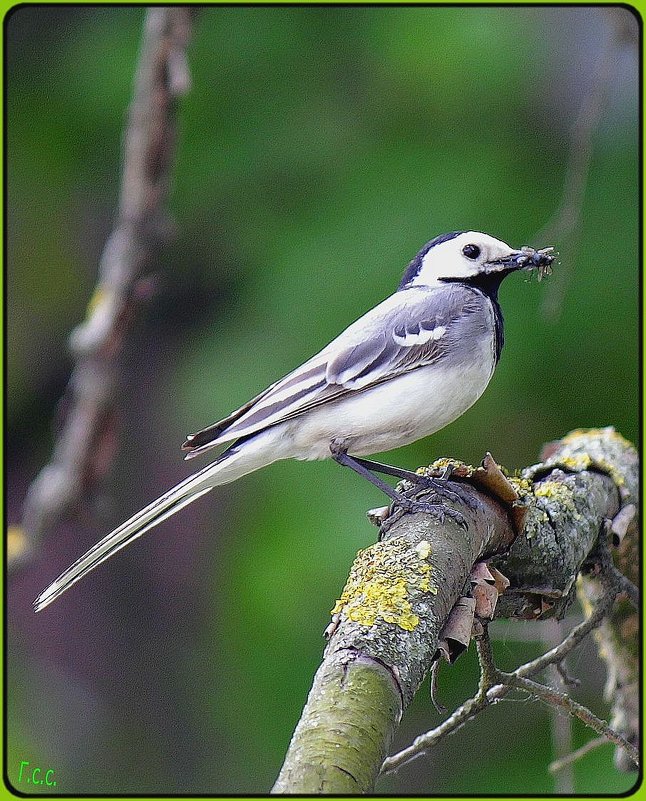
396	412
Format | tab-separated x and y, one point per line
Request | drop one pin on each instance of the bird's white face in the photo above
465	256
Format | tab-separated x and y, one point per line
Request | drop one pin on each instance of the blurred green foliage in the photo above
319	149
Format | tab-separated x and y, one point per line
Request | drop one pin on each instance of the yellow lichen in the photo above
98	298
423	549
382	580
17	543
602	433
577	433
444	462
558	492
523	486
610	470
576	462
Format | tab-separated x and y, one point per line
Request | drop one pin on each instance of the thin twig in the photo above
86	442
568	681
557	654
489	675
435	669
507	681
424	742
591	745
624	585
561	725
558	699
611	577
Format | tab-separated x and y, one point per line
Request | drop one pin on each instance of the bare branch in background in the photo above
84	447
570	759
565	224
561	724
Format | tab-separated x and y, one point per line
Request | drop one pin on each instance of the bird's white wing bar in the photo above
418	337
408	330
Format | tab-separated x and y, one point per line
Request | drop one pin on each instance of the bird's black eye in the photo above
471	251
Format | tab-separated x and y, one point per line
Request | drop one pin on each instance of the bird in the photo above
404	370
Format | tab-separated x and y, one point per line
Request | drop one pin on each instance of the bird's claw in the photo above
456	494
437	510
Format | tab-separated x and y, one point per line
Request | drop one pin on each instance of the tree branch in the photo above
401	590
84	447
556	698
617	637
591	745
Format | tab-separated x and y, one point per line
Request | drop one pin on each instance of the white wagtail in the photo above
404	370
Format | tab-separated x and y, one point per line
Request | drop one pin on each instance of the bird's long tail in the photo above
231	465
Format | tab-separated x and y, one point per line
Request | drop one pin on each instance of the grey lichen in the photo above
586	471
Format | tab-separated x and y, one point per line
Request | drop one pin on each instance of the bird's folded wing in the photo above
209	435
408	330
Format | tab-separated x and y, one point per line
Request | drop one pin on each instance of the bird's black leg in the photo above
390	470
438	485
440	511
342	458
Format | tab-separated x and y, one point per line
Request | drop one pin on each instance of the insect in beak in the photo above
540	260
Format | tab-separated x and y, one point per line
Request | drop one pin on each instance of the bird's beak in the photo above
524	259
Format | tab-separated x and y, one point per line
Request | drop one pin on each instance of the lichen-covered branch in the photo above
83	448
590	453
399	593
585	479
401	590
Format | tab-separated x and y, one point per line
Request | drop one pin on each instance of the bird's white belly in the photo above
392	414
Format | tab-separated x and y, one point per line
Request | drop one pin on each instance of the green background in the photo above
319	149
